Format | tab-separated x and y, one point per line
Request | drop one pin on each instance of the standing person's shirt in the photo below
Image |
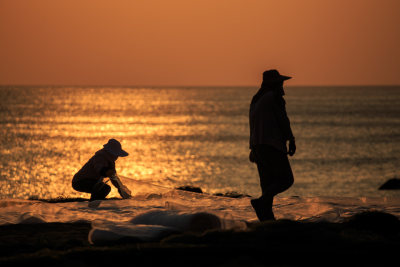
269	123
96	167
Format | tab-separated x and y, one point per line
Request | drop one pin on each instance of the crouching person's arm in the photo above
122	189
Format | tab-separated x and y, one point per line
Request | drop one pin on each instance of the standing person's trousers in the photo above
274	170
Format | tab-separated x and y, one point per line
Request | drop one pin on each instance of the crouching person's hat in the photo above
114	147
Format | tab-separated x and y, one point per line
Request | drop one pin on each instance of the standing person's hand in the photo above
252	156
292	147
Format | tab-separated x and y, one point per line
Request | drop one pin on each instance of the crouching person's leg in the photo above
96	188
83	185
99	191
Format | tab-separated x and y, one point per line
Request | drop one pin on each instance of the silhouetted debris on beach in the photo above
58	199
66	199
391	184
232	194
62	199
190	189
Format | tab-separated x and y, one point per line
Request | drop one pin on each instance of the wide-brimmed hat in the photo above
274	76
114	147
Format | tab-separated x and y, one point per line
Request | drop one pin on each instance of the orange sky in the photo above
199	42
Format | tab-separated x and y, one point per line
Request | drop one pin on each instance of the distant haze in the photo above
199	42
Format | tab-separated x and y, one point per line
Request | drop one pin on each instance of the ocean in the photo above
348	138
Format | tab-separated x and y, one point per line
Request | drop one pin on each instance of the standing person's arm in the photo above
284	124
251	122
251	126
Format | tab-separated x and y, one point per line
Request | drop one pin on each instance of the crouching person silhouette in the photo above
89	178
269	133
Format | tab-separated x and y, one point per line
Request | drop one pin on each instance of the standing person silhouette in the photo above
269	132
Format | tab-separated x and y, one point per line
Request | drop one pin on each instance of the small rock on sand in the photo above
391	184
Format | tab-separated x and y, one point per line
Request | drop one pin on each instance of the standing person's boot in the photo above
100	191
263	208
257	206
268	202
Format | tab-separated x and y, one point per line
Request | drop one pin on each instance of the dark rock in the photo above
391	184
375	221
190	189
60	199
231	194
66	199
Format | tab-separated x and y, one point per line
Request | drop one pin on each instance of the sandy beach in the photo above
366	236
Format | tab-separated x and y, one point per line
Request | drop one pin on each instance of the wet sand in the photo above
367	238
